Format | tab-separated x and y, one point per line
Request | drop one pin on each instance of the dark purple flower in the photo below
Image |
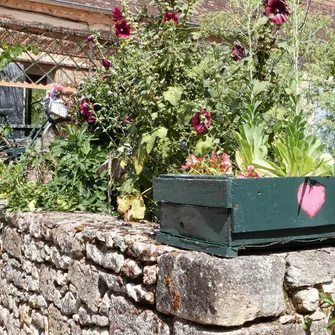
277	10
85	107
238	52
90	38
117	14
106	63
201	121
170	17
122	29
91	119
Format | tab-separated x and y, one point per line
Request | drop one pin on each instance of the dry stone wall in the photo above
83	273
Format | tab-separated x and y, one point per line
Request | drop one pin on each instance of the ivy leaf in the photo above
173	95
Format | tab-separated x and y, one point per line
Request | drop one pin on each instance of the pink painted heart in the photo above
311	198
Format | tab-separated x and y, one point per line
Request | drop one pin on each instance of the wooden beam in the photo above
34	86
57	11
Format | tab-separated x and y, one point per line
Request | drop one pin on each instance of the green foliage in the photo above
328	305
65	177
10	52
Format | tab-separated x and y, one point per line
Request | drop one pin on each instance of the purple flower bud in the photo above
106	63
90	38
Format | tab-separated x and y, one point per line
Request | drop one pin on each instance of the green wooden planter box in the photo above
222	215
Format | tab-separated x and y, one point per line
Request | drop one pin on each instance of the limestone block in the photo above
60	261
225	292
47	285
70	303
35	229
120	243
114	282
12	242
131	269
38	320
100	320
181	327
140	294
310	267
75	329
150	274
126	319
306	301
57	322
78	246
3	315
105	304
38	301
86	279
13	325
113	260
94	253
149	252
24	314
84	317
96	331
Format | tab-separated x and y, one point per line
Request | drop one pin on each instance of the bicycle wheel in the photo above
53	130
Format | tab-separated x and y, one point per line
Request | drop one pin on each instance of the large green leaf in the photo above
173	95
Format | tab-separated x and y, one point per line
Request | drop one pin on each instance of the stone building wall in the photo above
90	274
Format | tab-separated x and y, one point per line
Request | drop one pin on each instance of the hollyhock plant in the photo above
277	10
170	17
122	29
201	121
238	52
117	14
106	63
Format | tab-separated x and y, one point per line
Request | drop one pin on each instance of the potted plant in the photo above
284	189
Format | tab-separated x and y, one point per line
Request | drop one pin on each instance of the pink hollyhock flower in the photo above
104	76
90	38
117	14
226	165
251	173
122	29
277	10
170	17
192	160
106	63
201	121
238	52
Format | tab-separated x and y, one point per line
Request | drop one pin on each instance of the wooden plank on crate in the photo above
34	86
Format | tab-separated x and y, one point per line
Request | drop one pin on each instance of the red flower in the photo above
277	10
106	63
117	14
201	121
122	29
170	17
238	52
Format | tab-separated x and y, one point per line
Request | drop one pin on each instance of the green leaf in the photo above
259	86
204	145
173	95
